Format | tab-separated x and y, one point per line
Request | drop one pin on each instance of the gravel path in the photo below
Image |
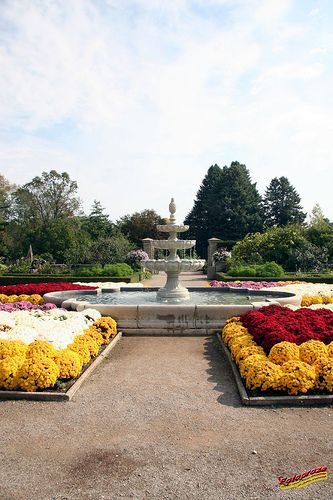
160	419
187	279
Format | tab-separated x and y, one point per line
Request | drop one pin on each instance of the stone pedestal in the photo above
212	247
148	247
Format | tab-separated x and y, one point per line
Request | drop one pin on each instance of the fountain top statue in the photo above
172	228
173	291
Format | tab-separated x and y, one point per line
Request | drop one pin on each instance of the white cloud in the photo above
158	91
314	12
326	44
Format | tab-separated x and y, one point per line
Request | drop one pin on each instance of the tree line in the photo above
46	213
228	206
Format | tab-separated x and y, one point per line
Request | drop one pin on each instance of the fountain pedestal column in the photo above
173	288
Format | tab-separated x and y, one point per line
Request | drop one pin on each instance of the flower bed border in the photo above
248	400
62	396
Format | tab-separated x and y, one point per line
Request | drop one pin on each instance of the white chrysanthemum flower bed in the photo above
56	326
306	289
110	284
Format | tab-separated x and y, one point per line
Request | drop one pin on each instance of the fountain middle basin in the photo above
137	312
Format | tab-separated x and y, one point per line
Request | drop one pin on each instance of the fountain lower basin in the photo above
149	317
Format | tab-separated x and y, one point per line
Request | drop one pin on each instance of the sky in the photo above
136	99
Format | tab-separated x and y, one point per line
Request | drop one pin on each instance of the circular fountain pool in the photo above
196	297
137	311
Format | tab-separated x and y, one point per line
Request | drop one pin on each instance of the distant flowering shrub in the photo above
221	255
253	285
135	257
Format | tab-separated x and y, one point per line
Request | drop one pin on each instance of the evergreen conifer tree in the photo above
203	212
281	204
228	206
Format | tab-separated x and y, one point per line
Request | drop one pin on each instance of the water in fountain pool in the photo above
210	297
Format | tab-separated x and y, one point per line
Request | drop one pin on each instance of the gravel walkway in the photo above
160	419
187	279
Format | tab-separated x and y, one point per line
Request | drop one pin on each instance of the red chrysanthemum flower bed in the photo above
273	324
41	288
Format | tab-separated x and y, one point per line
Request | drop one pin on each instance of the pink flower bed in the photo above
253	285
26	306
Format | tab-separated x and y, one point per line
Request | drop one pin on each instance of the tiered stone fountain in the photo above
170	310
173	266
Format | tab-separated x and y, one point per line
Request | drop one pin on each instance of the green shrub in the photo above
3	269
21	266
245	270
89	271
268	269
115	270
274	245
308	257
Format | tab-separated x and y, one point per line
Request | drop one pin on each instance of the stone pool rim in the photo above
169	319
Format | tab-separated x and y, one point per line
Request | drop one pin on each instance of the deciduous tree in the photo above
50	196
140	225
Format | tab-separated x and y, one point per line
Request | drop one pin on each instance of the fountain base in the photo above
173	295
173	291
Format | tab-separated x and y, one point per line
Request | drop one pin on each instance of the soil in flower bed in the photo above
255	393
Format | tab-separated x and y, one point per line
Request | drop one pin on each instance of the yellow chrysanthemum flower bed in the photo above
297	377
282	352
40	349
38	372
69	363
288	367
12	348
9	299
39	365
324	374
8	369
247	351
316	299
232	330
246	364
264	375
312	350
330	350
107	327
84	344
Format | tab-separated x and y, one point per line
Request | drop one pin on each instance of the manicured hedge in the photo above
324	278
